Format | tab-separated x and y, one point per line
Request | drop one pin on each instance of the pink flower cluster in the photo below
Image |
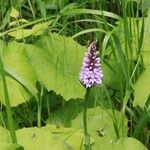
91	73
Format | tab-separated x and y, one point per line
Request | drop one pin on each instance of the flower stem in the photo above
7	103
86	135
40	106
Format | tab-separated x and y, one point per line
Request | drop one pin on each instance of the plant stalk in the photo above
8	107
40	106
86	135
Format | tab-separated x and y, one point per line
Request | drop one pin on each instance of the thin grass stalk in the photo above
48	107
8	106
31	8
39	102
115	124
121	61
126	30
115	57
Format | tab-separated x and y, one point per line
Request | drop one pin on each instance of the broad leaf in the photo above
64	115
101	128
128	144
57	61
14	13
36	30
142	86
46	138
53	137
72	137
20	74
35	138
4	135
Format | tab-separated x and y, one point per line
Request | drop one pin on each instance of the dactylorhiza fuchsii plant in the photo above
90	75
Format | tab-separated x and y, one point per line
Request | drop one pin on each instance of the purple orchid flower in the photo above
91	73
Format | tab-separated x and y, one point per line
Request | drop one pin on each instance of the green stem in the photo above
86	135
48	106
8	107
40	107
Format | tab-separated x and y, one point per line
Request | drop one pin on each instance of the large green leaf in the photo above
55	138
142	86
36	30
20	74
128	144
4	135
64	115
46	138
72	137
101	128
57	61
35	138
14	13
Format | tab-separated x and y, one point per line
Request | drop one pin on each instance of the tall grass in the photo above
85	21
8	106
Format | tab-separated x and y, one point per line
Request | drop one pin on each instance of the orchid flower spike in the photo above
91	73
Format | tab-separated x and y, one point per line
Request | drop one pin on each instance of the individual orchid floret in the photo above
91	73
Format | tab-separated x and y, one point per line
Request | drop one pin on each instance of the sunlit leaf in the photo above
101	128
20	33
13	23
128	144
57	61
20	77
64	115
14	13
36	30
36	138
142	86
4	135
49	137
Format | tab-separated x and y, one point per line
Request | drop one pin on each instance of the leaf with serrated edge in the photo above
20	74
57	61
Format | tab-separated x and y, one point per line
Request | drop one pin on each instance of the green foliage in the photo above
20	75
101	127
142	120
64	115
56	4
136	54
45	138
4	138
36	30
14	13
57	61
142	86
62	138
52	62
146	4
128	144
35	138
